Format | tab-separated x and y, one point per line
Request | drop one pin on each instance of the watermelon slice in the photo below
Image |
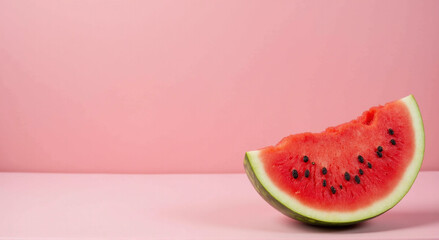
346	174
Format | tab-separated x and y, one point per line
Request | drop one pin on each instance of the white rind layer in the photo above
365	213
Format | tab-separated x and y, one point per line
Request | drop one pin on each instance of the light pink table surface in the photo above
221	206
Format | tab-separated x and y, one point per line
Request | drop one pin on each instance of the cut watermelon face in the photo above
346	174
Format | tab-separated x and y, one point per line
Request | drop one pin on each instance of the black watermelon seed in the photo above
341	187
324	171
347	176
379	154
380	149
313	163
360	171
305	158
369	165
306	173
361	159
390	131
333	190
357	179
324	183
295	174
393	142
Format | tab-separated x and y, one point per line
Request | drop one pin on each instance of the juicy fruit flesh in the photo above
337	150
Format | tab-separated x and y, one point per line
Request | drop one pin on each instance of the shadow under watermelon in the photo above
390	221
246	216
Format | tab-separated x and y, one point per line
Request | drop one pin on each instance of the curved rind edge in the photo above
279	200
418	125
278	205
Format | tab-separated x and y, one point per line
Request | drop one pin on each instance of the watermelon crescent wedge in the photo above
346	174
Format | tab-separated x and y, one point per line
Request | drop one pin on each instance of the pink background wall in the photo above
189	86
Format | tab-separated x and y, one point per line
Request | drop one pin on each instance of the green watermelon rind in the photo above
294	209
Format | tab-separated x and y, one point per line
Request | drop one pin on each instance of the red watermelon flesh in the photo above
344	169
